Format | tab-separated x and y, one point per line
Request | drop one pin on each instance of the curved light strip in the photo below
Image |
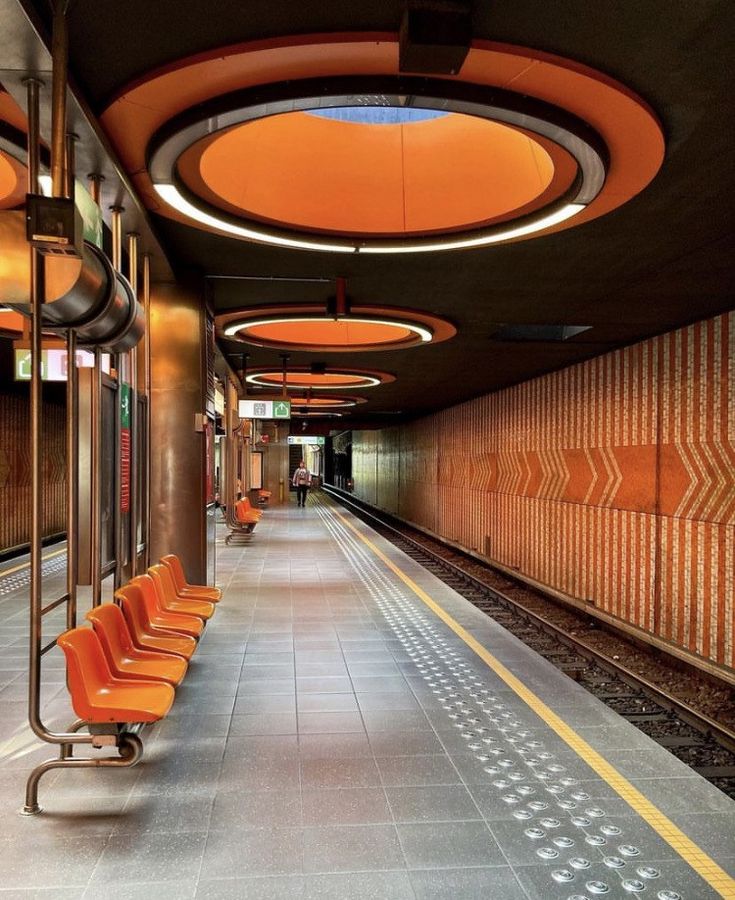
366	381
561	215
425	334
315	415
170	194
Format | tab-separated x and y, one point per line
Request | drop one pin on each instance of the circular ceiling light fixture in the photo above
326	379
341	328
307	402
452	165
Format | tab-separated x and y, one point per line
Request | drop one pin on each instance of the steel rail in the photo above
698	720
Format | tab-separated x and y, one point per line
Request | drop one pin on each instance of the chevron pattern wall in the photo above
612	481
15	470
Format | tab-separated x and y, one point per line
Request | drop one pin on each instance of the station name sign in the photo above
264	409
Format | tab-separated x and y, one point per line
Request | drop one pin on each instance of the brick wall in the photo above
612	481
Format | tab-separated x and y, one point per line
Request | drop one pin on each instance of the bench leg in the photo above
130	748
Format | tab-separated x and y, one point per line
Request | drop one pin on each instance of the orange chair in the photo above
169	600
97	696
264	497
249	508
146	635
180	623
124	659
183	588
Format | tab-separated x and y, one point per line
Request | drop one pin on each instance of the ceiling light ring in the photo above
574	135
420	334
369	378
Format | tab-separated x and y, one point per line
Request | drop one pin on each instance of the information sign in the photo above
53	364
317	439
264	409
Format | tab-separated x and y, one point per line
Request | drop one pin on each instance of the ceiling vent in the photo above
435	37
544	333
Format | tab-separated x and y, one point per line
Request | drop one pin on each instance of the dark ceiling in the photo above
660	261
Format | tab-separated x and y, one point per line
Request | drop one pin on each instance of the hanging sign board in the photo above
306	439
53	364
264	409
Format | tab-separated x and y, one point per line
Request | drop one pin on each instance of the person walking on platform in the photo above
301	481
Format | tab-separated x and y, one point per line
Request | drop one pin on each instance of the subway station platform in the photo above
352	728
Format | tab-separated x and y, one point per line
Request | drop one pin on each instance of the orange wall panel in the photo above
612	481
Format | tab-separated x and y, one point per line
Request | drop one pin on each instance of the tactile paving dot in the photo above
579	862
598	887
648	872
547	853
669	895
564	842
628	850
562	875
614	862
594	840
633	885
610	830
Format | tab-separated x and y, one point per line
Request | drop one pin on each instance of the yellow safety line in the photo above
23	565
703	864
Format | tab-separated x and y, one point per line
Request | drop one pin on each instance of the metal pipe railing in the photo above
133	357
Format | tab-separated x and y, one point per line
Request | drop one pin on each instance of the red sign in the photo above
125	470
265	438
125	399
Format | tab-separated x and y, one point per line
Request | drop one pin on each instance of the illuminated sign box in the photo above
264	409
306	439
53	364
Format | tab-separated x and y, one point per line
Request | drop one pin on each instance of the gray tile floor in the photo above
334	739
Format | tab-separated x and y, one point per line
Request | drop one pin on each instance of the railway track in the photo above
697	739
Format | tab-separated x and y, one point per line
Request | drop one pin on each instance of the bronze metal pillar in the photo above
178	467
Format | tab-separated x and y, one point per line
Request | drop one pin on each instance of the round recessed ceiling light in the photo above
383	162
413	181
310	328
315	402
326	380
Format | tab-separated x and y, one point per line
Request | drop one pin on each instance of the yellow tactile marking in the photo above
26	564
702	864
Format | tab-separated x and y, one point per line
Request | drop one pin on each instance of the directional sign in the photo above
264	409
309	439
53	364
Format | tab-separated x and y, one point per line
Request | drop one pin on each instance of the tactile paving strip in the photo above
19	580
554	814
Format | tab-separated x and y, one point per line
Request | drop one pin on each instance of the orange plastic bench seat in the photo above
124	658
183	587
97	696
159	617
145	634
170	601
